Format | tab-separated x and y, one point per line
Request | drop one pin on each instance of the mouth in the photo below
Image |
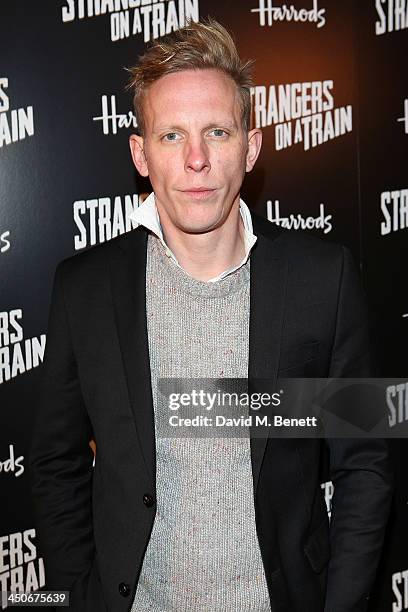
199	193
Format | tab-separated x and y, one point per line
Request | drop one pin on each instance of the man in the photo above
200	290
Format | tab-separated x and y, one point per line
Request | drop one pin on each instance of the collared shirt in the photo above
148	216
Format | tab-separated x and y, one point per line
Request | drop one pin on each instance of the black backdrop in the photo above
67	182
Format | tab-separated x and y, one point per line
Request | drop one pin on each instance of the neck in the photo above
204	256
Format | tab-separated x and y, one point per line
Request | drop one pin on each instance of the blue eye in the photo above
171	137
218	132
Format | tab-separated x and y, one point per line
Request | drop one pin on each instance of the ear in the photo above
136	144
254	147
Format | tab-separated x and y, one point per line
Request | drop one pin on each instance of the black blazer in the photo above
307	318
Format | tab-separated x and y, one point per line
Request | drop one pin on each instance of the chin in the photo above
196	228
194	223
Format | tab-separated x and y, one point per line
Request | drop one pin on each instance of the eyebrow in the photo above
214	124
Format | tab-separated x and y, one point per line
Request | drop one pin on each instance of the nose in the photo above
197	157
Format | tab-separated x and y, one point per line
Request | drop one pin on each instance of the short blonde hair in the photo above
196	46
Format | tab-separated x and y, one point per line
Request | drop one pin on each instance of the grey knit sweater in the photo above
203	554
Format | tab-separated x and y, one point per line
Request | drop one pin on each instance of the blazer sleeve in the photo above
359	468
61	460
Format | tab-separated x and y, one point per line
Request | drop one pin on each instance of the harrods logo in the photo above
15	124
296	222
270	14
149	18
112	121
301	113
12	465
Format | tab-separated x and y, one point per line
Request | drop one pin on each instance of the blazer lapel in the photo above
128	281
267	301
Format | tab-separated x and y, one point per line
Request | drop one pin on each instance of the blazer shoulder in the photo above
96	256
298	246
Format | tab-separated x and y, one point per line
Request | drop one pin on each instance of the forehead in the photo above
192	95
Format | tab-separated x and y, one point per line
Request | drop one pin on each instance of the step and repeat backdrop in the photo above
331	94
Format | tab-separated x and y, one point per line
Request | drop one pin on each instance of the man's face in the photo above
194	149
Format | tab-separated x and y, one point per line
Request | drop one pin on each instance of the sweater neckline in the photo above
173	276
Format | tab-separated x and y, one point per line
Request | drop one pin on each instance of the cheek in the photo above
162	168
231	166
230	154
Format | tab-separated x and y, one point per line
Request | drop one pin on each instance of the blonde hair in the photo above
196	46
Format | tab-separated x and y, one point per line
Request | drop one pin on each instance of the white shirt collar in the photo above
148	216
